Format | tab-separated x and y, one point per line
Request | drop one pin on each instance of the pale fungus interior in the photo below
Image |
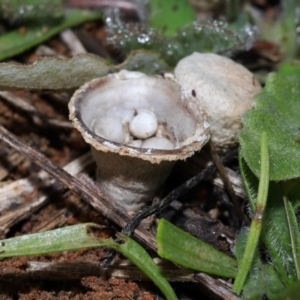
112	103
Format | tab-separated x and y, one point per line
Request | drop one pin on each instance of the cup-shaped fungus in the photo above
137	126
223	88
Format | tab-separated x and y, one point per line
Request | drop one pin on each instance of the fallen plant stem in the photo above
94	196
37	117
228	185
123	269
221	289
256	224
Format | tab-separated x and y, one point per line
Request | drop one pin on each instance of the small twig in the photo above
107	207
201	160
71	40
217	161
44	50
9	159
123	269
37	117
215	288
38	181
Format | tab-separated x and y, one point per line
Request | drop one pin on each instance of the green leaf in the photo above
276	112
62	239
14	42
53	73
69	74
183	249
169	16
77	237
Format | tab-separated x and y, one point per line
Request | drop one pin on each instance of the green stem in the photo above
273	251
256	224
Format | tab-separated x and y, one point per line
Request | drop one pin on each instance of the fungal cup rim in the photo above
186	148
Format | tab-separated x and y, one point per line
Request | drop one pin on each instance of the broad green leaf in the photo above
15	42
69	74
169	16
77	237
183	249
276	112
274	233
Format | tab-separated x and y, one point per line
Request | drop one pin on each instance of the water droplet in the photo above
143	38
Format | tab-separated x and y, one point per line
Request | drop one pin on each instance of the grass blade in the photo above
256	224
134	252
273	234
